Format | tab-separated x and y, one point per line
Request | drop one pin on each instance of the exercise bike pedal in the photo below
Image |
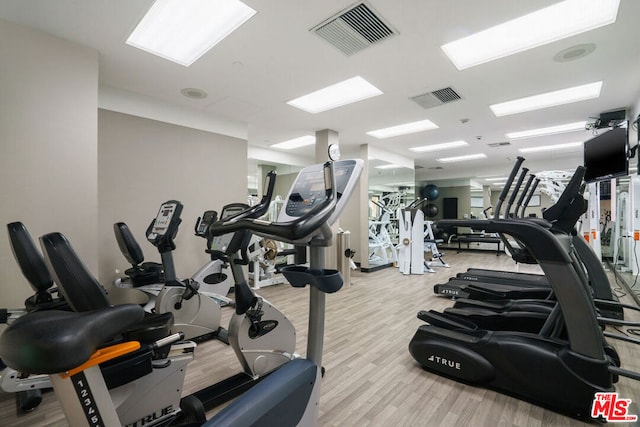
29	400
192	412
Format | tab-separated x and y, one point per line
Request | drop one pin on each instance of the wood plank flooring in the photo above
371	378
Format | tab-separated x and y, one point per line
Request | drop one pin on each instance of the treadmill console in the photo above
308	190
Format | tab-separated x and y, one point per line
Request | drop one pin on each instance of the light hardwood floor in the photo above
371	378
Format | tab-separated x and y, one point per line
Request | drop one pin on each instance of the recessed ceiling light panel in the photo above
549	99
346	92
462	158
556	22
389	166
566	146
551	130
183	31
403	129
295	143
438	147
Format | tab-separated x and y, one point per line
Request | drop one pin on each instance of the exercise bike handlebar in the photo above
300	229
255	211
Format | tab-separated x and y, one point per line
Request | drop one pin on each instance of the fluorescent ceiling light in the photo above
549	99
390	166
551	130
302	141
402	184
404	129
346	92
462	158
556	22
436	147
502	178
551	147
183	31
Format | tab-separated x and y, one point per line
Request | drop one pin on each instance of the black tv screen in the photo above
605	156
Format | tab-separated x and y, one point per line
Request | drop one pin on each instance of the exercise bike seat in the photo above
84	293
48	342
141	273
34	270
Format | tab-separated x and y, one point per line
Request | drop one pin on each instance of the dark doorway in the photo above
450	208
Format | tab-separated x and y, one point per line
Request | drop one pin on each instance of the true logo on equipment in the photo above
445	362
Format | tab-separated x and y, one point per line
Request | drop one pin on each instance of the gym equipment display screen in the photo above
605	156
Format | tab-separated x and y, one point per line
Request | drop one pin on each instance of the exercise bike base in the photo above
225	390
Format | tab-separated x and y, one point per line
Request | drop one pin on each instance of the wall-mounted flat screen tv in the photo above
605	156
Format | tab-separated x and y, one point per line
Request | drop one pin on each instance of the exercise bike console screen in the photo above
308	190
168	215
221	242
208	218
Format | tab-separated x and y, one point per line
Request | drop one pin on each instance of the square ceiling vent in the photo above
437	97
355	29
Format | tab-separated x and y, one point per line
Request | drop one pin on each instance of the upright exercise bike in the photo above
64	345
148	277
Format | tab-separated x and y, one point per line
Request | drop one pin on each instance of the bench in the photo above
469	238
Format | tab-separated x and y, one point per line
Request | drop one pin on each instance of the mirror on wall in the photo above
257	171
616	228
390	187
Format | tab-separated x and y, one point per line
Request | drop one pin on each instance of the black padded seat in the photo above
48	342
84	293
34	269
141	273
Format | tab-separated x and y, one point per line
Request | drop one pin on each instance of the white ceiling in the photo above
274	57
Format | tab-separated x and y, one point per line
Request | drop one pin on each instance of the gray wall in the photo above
463	194
48	145
143	163
67	166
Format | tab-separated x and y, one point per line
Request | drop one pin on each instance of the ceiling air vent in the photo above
354	29
437	97
499	144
